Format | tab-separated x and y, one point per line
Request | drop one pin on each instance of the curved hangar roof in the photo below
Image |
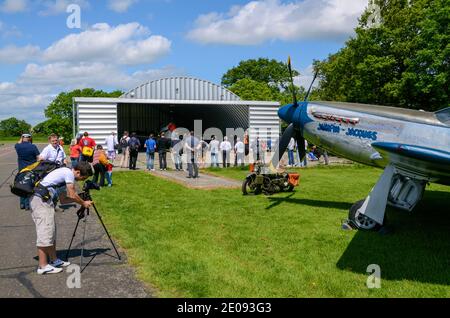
181	88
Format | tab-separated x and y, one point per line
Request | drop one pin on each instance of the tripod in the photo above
83	213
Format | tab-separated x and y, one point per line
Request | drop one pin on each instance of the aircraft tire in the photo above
361	222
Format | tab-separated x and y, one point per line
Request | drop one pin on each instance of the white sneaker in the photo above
49	269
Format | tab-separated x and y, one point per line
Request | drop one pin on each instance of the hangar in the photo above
180	100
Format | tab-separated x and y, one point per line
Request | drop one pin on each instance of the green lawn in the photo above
218	243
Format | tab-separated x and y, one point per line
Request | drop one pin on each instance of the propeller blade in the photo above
310	86
292	82
282	145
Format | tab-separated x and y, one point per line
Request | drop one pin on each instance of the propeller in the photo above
291	131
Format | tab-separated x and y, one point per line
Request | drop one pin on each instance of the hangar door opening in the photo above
150	118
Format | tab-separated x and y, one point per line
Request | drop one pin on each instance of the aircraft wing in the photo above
416	159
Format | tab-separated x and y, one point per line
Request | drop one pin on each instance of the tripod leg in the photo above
84	237
71	241
106	231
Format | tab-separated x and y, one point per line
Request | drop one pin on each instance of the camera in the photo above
90	185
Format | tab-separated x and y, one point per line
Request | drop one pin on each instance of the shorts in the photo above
112	154
43	215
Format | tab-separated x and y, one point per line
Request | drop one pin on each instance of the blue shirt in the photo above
150	145
26	154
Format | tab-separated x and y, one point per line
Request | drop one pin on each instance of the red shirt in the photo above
87	142
75	151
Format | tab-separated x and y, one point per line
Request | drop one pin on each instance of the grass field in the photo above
218	243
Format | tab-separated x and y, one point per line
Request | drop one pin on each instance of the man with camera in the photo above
57	185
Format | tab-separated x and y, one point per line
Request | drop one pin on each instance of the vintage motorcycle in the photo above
263	180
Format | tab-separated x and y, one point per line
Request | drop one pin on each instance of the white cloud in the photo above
265	20
14	55
13	6
125	44
39	84
120	6
55	7
306	77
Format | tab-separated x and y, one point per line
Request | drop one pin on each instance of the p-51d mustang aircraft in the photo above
412	146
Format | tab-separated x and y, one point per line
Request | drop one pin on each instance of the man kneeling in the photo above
58	184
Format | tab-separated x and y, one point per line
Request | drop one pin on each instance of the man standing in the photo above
192	144
54	151
27	154
150	149
133	144
124	160
163	145
214	148
111	145
291	148
177	152
58	184
225	147
239	149
87	145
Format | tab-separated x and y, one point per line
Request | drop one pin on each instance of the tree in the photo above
12	127
271	72
405	61
59	112
248	89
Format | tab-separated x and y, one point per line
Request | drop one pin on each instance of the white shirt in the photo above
58	178
214	146
111	141
240	147
225	146
53	154
291	145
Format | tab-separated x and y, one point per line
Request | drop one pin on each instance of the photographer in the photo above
58	184
54	151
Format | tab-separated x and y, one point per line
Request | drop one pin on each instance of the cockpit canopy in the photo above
443	116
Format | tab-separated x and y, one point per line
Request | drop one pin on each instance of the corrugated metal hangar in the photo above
180	100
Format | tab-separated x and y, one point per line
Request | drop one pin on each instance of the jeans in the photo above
108	176
150	160
162	160
178	162
99	169
214	159
291	157
193	168
133	159
226	158
74	161
25	203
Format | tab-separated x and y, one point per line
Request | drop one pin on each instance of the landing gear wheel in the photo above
248	188
360	221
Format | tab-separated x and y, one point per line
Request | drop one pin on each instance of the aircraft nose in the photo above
286	113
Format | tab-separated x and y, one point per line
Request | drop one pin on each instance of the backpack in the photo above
123	142
29	177
134	144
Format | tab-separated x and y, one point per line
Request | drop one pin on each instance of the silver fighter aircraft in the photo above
413	148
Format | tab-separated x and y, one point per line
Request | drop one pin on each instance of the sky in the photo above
118	44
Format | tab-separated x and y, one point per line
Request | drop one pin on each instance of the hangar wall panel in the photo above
264	122
181	88
99	120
